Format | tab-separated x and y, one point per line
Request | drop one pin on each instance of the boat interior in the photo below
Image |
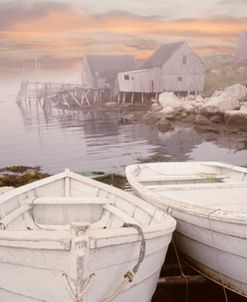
158	174
222	198
56	204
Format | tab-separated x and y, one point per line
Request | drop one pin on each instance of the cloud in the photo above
59	32
15	12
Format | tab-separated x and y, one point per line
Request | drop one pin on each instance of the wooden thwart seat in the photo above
66	200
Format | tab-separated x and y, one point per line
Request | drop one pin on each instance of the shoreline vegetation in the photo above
16	176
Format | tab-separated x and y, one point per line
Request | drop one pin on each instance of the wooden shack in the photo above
241	48
172	67
100	71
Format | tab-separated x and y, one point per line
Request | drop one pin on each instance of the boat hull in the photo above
216	248
208	201
38	274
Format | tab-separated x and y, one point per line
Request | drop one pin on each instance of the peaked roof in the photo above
110	64
162	54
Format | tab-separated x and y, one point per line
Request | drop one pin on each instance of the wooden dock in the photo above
67	95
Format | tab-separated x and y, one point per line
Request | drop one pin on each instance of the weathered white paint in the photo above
5	189
192	72
211	214
146	81
70	224
168	76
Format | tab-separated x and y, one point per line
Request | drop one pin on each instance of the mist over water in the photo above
99	141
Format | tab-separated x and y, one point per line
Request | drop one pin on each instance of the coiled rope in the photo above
128	277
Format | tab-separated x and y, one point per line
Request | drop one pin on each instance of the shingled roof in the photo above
162	54
108	66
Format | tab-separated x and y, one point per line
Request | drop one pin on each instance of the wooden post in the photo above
87	98
124	96
142	98
132	98
74	98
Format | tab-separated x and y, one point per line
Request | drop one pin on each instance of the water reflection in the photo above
99	140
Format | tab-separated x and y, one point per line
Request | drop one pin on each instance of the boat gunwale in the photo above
202	211
165	224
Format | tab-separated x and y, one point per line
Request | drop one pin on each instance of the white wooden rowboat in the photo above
209	202
71	238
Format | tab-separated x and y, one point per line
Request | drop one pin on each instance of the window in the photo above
184	59
180	79
126	77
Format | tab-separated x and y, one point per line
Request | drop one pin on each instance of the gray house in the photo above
172	67
100	71
241	48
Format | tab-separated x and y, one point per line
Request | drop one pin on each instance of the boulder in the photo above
201	120
217	119
243	107
169	113
169	99
189	118
164	125
156	107
111	104
187	107
237	92
152	117
29	172
236	118
220	104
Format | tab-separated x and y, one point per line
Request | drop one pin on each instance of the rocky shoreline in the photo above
17	176
225	109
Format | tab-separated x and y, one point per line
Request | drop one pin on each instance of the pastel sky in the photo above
58	33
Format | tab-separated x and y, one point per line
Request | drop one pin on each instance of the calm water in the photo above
98	141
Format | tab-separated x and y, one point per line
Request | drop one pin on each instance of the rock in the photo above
163	122
164	125
201	120
111	104
243	107
217	119
189	118
216	93
169	99
236	118
156	107
184	115
237	92
151	117
187	107
29	172
220	104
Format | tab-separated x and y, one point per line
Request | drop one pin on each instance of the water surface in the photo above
99	141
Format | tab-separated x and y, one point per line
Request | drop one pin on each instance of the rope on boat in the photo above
74	296
183	275
208	175
129	275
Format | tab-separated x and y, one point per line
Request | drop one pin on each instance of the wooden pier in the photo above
67	95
